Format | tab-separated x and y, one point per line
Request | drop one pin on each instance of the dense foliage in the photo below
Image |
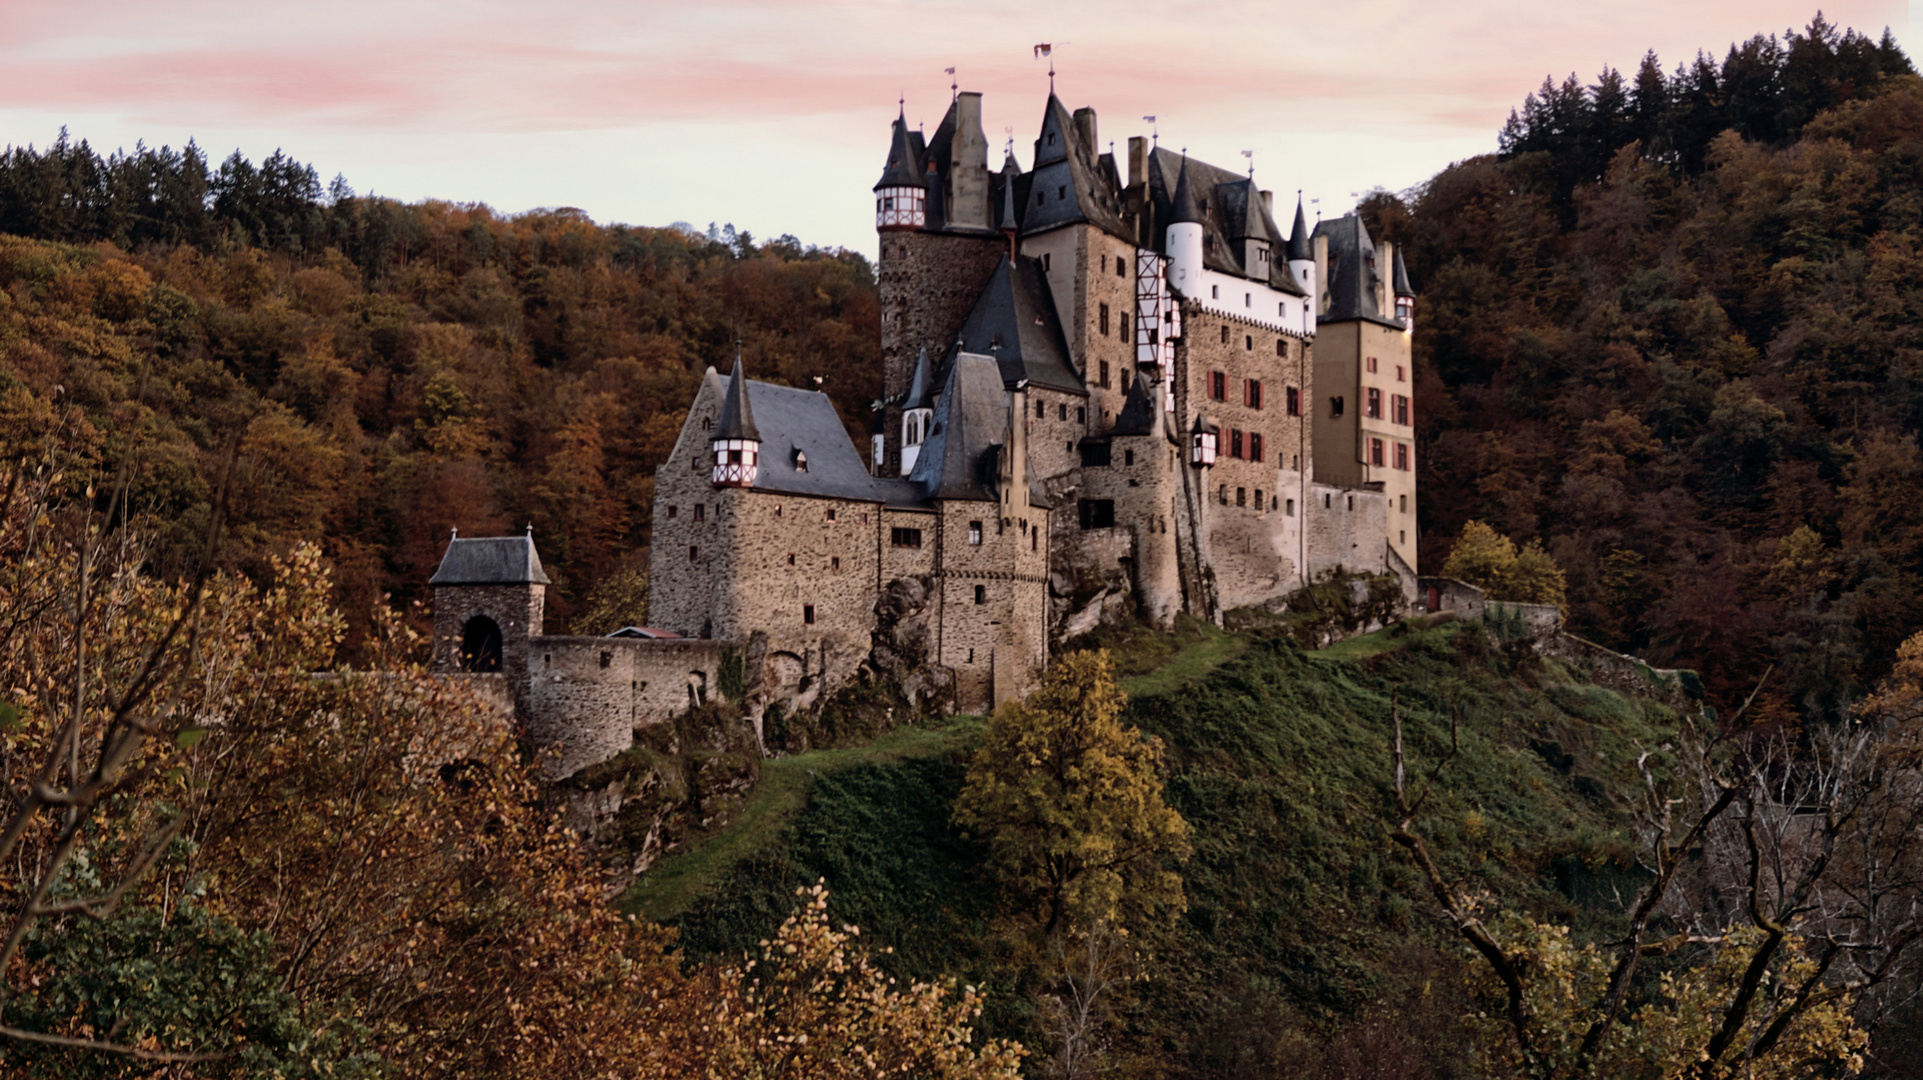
229	857
460	370
1698	390
1304	944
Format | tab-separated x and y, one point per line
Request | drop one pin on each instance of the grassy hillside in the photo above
1303	922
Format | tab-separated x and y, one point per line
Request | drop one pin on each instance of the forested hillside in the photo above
1672	331
369	375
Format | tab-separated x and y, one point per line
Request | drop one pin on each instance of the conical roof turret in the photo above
1011	171
1300	247
1400	281
904	167
1139	415
922	388
1187	210
737	419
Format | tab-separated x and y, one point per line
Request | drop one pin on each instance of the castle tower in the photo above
1364	381
1185	236
1404	295
737	442
938	243
917	413
489	594
1302	257
901	195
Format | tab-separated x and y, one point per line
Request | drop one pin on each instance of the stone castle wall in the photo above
683	590
997	646
1253	545
584	697
1348	529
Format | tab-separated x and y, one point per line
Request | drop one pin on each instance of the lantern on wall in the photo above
1203	440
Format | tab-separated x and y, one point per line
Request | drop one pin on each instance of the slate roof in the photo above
793	420
969	418
1066	184
737	412
1139	415
1400	285
922	387
1353	274
1229	206
492	560
904	158
1301	248
1243	215
1183	205
1014	321
961	457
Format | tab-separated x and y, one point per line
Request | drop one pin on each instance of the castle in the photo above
1105	397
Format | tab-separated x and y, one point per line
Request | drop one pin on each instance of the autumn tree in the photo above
813	1003
1070	803
1781	903
1069	800
1491	562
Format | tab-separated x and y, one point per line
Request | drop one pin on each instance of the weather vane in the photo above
1048	49
1250	154
1154	133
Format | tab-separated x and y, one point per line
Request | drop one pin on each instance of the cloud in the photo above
404	88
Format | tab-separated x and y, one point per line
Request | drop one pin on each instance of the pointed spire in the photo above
737	419
1300	247
1187	210
1139	416
903	169
922	387
1401	278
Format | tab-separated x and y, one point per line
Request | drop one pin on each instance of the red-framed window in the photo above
1373	406
1401	408
1375	452
1402	456
1252	393
1218	386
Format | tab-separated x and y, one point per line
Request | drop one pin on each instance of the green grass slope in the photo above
1304	922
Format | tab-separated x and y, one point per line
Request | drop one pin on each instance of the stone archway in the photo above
480	644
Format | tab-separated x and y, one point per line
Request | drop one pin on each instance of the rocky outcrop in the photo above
679	782
904	644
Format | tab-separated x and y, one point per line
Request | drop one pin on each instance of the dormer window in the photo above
801	461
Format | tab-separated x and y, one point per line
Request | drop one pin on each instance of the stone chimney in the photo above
1085	128
1137	160
967	194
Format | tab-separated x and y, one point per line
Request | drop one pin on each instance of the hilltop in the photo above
1307	937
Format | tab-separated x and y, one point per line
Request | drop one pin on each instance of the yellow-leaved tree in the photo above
813	1004
1491	562
1070	802
228	856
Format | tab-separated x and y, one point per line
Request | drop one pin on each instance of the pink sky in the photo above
774	115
